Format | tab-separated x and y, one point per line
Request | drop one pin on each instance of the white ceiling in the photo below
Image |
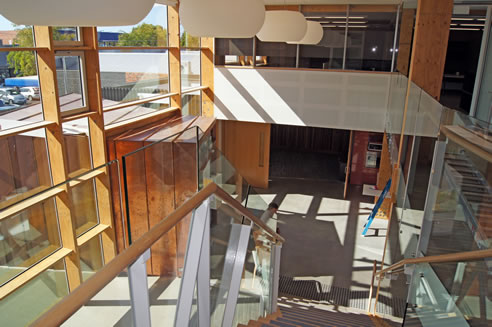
331	2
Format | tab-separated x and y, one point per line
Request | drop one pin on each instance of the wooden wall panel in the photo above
160	203
247	147
7	184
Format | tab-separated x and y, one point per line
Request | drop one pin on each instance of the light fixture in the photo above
283	26
479	25
313	35
222	18
464	29
345	17
453	18
357	26
76	12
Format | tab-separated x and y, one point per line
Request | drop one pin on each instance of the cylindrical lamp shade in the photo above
222	18
76	12
313	35
283	26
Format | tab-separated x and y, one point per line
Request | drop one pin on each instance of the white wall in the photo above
343	100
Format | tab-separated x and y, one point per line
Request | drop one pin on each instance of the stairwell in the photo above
302	313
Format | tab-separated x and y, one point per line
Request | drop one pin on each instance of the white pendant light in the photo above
283	26
222	18
313	35
76	12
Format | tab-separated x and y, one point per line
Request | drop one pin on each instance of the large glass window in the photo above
19	83
71	82
370	40
150	32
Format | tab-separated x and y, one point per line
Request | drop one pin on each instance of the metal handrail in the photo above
81	295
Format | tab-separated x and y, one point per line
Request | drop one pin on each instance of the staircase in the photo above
301	313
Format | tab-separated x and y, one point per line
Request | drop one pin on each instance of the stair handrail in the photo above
81	295
441	258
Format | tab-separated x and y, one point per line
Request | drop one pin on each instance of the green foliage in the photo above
189	41
144	35
24	62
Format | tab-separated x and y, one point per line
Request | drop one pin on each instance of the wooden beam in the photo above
325	8
89	235
25	128
54	135
207	76
23	205
98	142
469	141
282	7
174	43
431	44
406	35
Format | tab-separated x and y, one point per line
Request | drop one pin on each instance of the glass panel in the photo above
133	75
150	32
233	52
31	300
192	103
255	292
84	206
91	257
20	94
27	238
62	34
223	218
328	53
77	146
190	69
215	167
71	86
111	306
257	204
278	54
370	40
24	168
465	302
13	35
188	40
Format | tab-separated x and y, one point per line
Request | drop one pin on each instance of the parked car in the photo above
31	93
12	96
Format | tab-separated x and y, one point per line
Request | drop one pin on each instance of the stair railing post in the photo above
199	221
277	249
139	291
372	286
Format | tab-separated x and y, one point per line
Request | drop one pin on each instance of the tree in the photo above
24	62
144	35
189	41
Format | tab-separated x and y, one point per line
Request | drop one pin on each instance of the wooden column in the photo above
98	141
55	141
207	75
431	44
405	46
174	55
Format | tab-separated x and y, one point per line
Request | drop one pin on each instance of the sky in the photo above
157	16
